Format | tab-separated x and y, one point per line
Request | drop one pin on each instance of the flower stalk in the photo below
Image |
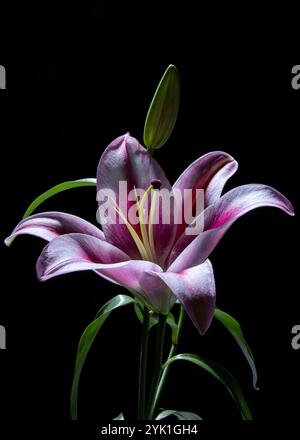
158	360
143	365
172	353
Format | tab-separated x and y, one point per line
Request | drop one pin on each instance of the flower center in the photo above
145	244
147	233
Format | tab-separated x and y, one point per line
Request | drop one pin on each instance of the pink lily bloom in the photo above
161	263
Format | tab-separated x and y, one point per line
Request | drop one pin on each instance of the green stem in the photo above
172	352
143	365
157	364
150	151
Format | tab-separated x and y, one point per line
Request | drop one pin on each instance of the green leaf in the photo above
222	375
138	308
181	415
87	340
57	189
163	110
173	326
119	417
234	328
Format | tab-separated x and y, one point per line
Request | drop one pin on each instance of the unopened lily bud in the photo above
163	110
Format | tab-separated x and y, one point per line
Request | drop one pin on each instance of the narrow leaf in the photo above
57	189
234	328
222	375
173	326
87	340
163	110
181	415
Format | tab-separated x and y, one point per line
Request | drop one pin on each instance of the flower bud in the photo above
163	110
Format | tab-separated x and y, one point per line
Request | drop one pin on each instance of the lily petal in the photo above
48	225
195	289
202	170
188	254
210	172
156	291
190	251
77	252
243	199
126	160
137	276
215	186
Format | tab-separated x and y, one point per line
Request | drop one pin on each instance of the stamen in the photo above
145	245
141	213
136	198
135	237
156	183
150	225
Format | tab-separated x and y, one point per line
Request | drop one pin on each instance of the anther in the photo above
156	183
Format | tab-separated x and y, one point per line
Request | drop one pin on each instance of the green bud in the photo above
163	110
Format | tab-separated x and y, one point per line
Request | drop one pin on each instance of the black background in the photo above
77	77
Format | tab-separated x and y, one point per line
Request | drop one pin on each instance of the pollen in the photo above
156	183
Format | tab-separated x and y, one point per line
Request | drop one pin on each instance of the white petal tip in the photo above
8	241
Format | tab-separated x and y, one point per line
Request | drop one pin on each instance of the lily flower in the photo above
157	263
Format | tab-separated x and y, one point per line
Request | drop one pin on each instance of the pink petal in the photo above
188	254
215	186
158	294
190	251
137	276
195	289
243	199
76	252
210	173
126	160
48	225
